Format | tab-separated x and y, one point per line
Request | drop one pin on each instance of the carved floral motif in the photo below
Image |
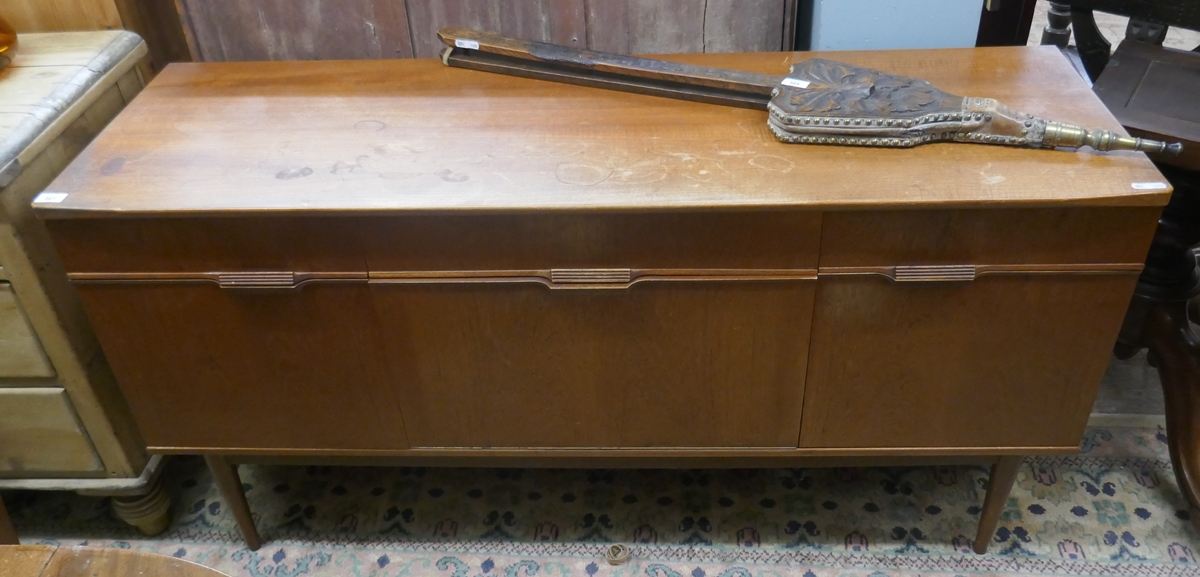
844	89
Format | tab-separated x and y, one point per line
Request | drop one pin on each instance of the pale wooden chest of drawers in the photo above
63	422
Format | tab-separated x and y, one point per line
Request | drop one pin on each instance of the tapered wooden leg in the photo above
1175	352
226	476
8	533
1000	482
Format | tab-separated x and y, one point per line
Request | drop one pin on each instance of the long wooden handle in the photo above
484	51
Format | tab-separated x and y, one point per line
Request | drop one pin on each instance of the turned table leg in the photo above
1158	320
8	533
1175	352
1000	482
1058	25
226	476
149	512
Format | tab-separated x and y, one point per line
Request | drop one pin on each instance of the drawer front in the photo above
657	364
741	240
40	435
988	237
21	353
1003	361
199	245
206	367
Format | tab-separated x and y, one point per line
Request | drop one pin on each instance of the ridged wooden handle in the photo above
257	280
934	273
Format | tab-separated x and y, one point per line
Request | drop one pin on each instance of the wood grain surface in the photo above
646	26
106	562
1149	88
297	29
60	121
61	15
739	241
255	362
296	244
8	536
505	365
239	30
23	560
557	21
1000	361
402	136
41	436
21	353
746	25
1041	236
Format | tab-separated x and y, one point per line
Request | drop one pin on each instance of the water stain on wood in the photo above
375	125
581	174
287	174
113	166
450	176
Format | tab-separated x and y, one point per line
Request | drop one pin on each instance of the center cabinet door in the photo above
603	331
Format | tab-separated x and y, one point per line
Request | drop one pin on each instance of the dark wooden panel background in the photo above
223	30
230	30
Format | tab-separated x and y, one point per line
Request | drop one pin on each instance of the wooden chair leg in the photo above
8	533
1175	352
226	476
1058	25
1000	482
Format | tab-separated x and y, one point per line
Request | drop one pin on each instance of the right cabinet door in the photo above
1000	340
1003	361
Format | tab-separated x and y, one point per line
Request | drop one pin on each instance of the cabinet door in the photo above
658	364
206	367
1002	361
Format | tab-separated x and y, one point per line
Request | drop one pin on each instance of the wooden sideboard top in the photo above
414	135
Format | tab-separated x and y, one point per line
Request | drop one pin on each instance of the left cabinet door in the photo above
209	368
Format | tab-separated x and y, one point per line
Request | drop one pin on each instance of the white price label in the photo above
50	198
795	82
1149	186
469	44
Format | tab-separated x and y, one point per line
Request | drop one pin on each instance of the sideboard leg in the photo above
1000	482
8	533
226	476
1175	352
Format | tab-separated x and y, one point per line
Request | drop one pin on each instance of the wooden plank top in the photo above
413	135
47	561
50	82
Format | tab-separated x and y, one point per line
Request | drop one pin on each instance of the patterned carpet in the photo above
1112	510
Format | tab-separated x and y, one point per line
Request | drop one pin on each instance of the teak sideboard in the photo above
395	259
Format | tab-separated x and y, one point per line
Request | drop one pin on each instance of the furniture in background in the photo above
156	21
1152	91
225	30
47	561
63	422
1006	23
235	30
395	260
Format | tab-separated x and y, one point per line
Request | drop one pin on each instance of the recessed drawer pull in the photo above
593	277
257	280
934	273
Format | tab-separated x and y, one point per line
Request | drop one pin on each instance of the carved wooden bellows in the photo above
820	102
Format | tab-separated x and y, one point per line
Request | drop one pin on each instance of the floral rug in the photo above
1112	510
